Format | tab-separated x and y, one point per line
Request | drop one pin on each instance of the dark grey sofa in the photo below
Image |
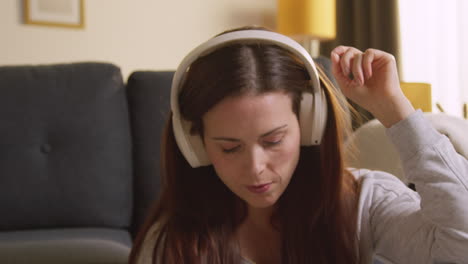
79	160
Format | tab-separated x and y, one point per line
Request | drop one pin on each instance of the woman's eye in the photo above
230	150
275	142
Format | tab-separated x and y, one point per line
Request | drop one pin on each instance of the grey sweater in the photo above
402	226
395	224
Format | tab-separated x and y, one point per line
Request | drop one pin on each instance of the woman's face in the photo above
253	142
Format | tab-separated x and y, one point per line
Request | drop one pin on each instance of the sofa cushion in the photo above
148	95
65	148
79	245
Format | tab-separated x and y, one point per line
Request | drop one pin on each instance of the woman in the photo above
254	171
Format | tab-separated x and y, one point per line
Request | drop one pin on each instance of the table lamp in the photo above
307	21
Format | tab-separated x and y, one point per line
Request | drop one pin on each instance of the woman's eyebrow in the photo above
262	135
226	139
273	130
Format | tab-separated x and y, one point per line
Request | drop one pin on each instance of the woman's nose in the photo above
257	160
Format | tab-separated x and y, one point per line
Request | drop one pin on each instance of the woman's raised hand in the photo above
370	79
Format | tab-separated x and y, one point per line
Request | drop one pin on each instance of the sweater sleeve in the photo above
430	226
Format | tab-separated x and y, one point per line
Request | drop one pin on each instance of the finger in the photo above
343	81
336	69
340	50
357	68
345	61
367	60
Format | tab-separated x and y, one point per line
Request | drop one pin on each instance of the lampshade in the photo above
307	18
419	94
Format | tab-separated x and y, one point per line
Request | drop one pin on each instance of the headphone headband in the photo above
192	146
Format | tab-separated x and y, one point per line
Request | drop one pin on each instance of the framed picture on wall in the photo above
60	13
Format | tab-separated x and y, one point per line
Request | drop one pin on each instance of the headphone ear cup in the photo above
191	146
306	115
312	117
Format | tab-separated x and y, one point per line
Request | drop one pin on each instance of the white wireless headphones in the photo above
313	109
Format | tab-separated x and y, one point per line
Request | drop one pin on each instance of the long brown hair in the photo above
198	215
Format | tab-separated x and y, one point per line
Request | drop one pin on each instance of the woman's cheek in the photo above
222	166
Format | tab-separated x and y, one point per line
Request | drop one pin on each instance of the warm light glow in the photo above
307	18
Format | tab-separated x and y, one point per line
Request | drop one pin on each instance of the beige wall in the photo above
133	34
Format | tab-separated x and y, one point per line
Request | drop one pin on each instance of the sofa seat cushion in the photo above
74	245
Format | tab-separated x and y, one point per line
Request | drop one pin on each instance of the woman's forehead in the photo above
249	112
252	103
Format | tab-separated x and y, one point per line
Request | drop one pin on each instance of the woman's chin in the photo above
261	203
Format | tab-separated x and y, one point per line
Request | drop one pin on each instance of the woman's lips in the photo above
261	188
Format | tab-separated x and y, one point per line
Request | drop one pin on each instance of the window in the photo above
434	42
